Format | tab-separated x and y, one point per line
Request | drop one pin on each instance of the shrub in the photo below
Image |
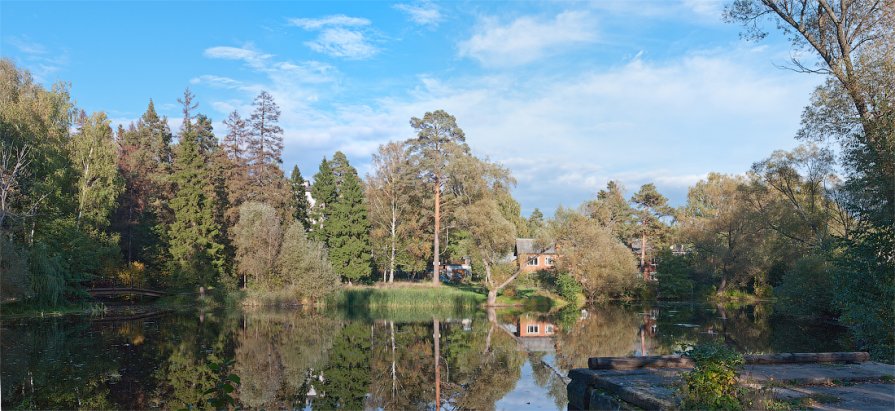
807	289
567	287
712	384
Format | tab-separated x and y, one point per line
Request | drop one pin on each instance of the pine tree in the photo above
324	191
299	198
348	228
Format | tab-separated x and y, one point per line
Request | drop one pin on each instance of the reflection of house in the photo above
532	258
535	335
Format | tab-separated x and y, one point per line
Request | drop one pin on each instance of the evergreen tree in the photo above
348	229
205	139
439	141
197	254
144	160
237	165
324	192
265	154
300	203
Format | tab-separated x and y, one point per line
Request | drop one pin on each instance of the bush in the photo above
674	276
713	382
807	289
567	287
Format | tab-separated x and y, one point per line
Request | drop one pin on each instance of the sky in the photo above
567	95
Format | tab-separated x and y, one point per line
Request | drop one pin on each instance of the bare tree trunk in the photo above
436	325
436	251
391	264
391	325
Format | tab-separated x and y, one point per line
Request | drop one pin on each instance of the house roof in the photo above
529	246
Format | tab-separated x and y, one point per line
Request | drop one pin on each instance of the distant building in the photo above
531	258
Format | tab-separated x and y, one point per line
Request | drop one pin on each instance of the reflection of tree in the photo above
607	331
347	376
411	385
277	352
487	366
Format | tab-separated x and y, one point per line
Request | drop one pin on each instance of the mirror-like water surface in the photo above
354	360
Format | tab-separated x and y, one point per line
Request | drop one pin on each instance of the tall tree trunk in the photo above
391	325
436	326
643	255
391	264
492	298
435	253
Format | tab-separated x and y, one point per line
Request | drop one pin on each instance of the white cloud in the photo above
705	8
246	54
527	39
338	20
41	62
424	13
340	36
340	42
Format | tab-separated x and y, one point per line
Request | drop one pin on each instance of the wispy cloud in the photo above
527	39
344	43
41	62
246	54
424	13
340	36
338	20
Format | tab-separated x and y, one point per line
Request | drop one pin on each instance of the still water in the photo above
355	359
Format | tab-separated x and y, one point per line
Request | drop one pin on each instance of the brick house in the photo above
530	258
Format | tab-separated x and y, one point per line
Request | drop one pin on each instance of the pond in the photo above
354	359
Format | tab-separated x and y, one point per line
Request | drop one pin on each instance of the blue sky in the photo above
568	95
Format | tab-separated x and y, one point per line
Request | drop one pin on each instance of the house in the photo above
531	257
535	334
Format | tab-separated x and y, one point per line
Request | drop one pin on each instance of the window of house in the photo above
550	261
533	260
549	329
532	329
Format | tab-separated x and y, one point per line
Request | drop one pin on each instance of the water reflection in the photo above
352	360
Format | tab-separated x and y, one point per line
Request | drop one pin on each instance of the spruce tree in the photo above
197	254
144	160
300	203
324	192
348	229
265	148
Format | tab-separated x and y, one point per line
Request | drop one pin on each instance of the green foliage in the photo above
712	384
325	193
675	276
221	395
257	237
197	252
808	288
865	296
568	287
300	205
304	265
348	373
348	227
603	266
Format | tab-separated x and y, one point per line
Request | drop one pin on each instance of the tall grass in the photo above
413	303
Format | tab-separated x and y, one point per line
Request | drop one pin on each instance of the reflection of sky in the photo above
527	395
